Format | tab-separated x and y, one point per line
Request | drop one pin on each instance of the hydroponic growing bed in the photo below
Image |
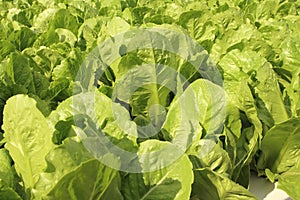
140	99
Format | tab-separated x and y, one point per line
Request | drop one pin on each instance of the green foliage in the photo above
196	93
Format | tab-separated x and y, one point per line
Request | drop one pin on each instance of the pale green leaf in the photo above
28	137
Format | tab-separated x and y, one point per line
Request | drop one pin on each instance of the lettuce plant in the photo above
138	99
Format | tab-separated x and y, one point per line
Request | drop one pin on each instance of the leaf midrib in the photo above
155	186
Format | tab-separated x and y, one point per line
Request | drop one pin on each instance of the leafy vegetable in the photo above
219	187
27	143
171	182
280	154
128	99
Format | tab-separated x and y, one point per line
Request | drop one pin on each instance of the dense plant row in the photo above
217	117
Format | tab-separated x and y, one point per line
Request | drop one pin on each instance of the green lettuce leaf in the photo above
214	186
7	184
80	175
293	92
290	51
288	180
23	38
280	156
206	100
8	193
207	154
28	138
280	147
269	92
6	170
5	48
108	116
161	179
18	69
89	181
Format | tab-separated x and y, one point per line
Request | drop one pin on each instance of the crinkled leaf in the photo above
162	177
207	103
60	161
110	117
207	154
28	137
249	140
